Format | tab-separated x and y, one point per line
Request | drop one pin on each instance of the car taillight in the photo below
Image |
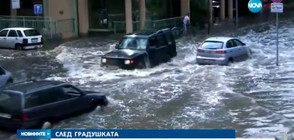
132	61
24	117
200	51
221	52
25	41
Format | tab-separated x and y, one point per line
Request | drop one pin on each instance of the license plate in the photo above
3	115
208	61
34	40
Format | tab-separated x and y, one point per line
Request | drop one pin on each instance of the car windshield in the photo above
212	45
133	43
31	32
9	102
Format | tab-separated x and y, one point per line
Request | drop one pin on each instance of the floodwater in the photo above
254	96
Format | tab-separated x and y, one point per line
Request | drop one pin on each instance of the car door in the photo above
161	48
243	50
74	99
41	105
171	49
232	50
12	39
3	38
151	49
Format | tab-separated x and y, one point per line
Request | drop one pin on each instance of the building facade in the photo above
72	17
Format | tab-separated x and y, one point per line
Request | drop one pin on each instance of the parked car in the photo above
20	38
30	104
142	50
222	51
5	77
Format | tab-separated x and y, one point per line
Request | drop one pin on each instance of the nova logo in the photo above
255	6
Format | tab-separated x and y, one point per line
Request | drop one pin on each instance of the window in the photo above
44	97
133	43
152	42
31	32
71	91
2	71
12	33
212	45
19	33
238	43
160	40
3	33
9	102
231	44
169	38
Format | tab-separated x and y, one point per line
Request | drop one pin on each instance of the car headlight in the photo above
127	62
104	60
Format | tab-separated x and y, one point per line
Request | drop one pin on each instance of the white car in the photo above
20	38
222	51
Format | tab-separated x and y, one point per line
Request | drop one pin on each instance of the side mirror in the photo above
116	46
243	44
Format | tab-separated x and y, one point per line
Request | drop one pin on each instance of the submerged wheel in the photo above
18	47
9	81
141	65
230	61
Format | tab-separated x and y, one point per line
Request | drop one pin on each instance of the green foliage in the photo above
199	10
155	7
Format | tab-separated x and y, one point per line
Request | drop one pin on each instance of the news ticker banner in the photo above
81	134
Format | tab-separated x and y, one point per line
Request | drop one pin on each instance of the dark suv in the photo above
30	104
142	50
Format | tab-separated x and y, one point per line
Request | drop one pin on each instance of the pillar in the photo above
129	19
142	6
83	16
222	9
231	9
45	8
185	7
75	16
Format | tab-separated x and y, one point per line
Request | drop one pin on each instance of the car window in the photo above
3	33
2	71
71	92
12	33
19	33
231	44
160	40
31	32
44	97
169	38
238	42
9	102
133	43
152	42
212	45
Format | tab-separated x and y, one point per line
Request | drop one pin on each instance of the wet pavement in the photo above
254	97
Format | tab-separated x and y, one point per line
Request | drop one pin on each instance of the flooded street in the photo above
254	96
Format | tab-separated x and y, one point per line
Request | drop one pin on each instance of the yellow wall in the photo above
61	10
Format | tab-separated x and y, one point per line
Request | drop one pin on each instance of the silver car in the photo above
5	77
222	51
